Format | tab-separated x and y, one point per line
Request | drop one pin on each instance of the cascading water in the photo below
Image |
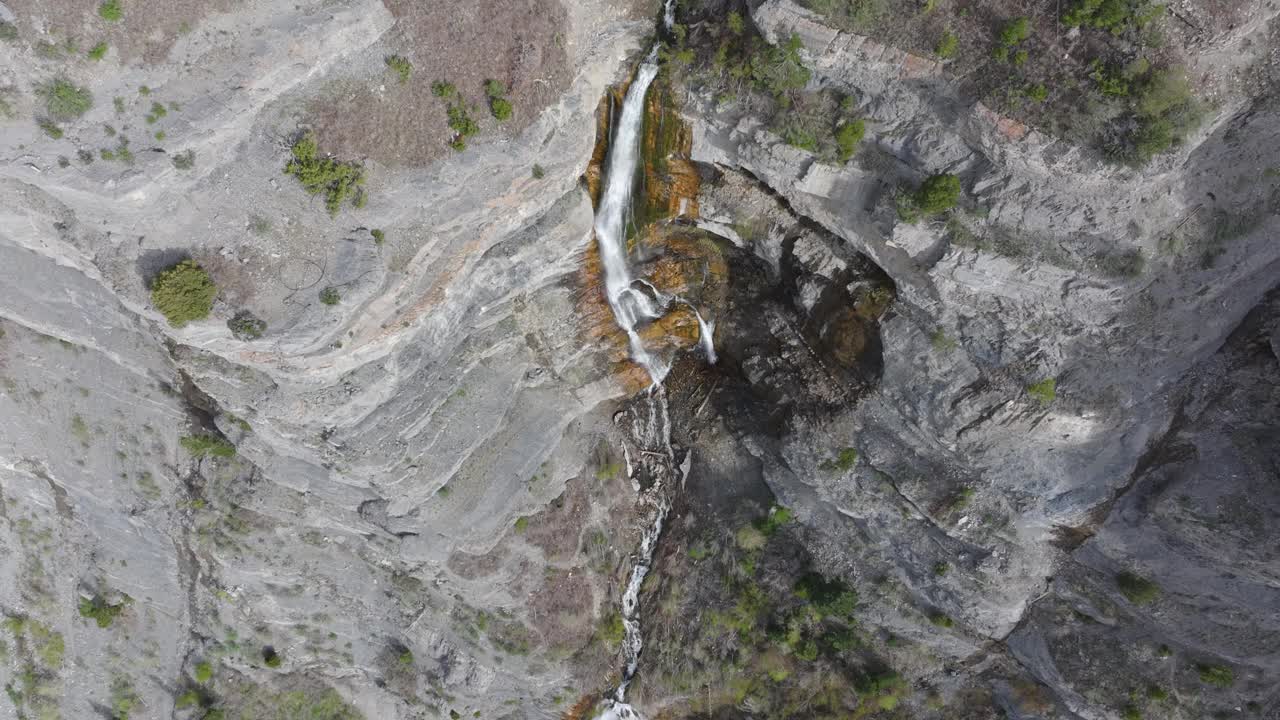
650	427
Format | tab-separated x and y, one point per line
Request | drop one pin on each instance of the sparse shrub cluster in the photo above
1114	16
100	611
1161	109
463	126
204	445
65	100
183	293
499	106
337	181
97	52
1013	34
401	66
330	296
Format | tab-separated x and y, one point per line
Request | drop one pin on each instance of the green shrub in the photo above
494	89
379	237
1131	712
158	111
538	172
1136	588
99	51
844	460
110	10
779	70
330	296
183	293
947	45
65	100
271	658
500	108
612	630
940	568
937	193
1015	31
204	672
522	524
463	126
8	31
1045	391
801	138
406	657
246	326
203	445
100	611
187	699
735	23
777	517
443	89
831	598
50	128
848	135
941	620
337	181
1218	675
1039	93
401	66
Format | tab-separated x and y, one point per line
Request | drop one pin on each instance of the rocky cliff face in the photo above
415	502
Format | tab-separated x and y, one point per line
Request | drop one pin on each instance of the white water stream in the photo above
635	301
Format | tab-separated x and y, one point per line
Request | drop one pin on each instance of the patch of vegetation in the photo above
246	326
938	193
8	31
771	523
1011	35
538	172
378	236
184	160
401	65
848	135
97	52
844	460
337	181
499	106
204	672
100	611
183	293
65	100
829	596
443	89
612	631
271	658
522	524
1218	675
1046	391
110	11
203	445
330	296
941	341
50	128
947	45
158	111
942	620
463	126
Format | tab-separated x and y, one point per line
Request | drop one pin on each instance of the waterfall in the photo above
630	307
650	428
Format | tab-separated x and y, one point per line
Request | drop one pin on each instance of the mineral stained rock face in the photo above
1016	459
